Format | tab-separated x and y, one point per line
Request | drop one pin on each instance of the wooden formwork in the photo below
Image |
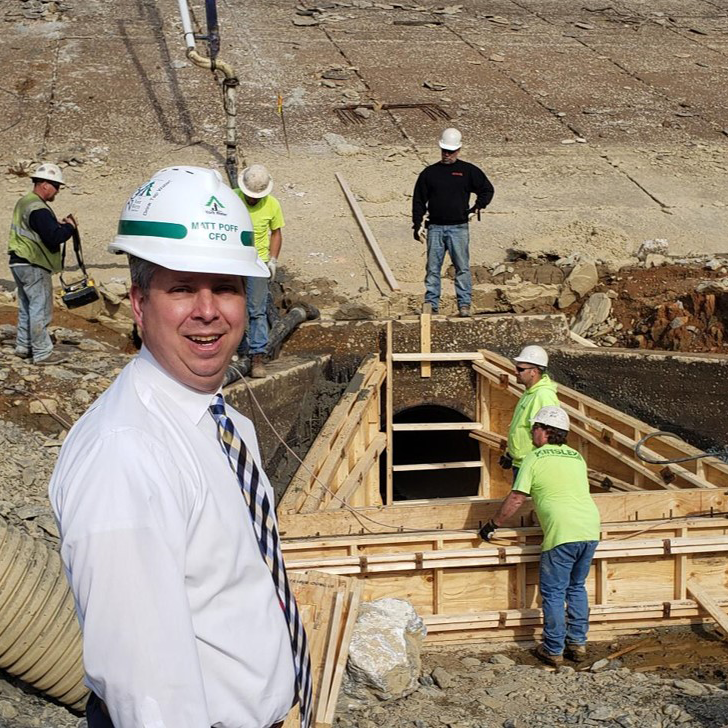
466	589
664	530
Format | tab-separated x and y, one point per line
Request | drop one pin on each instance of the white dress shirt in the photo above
181	623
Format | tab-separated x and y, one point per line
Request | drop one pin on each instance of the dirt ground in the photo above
600	124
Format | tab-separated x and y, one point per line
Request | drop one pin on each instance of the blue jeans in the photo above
455	240
35	310
562	574
257	290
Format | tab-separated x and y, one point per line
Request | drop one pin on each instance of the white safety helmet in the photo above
188	219
533	355
552	416
255	181
451	140
48	171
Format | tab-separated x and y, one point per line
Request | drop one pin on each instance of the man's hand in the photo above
486	533
272	267
416	235
70	220
505	461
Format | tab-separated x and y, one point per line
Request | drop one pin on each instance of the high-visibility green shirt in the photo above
24	241
542	393
555	477
266	216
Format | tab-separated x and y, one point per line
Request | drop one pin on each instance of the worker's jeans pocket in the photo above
563	571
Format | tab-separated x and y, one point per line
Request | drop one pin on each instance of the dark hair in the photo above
142	271
556	435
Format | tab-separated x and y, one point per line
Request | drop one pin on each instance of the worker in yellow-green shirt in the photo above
540	391
554	475
255	185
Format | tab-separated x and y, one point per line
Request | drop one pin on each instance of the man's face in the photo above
539	436
192	323
448	156
527	374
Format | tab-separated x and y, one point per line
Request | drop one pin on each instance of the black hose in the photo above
720	453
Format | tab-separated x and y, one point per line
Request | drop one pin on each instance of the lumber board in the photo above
357	477
710	605
343	654
438	356
368	234
389	416
439	466
434	426
317	597
473	513
426	341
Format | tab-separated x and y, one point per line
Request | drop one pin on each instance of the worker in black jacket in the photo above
443	192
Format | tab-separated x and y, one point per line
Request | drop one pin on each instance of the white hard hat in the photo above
48	171
552	416
451	140
188	219
255	181
533	355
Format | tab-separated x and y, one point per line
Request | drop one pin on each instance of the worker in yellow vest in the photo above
255	185
35	243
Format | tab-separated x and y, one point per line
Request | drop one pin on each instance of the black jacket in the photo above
444	191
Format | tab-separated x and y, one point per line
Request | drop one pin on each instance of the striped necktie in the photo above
261	513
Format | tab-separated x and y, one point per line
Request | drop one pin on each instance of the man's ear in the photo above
136	296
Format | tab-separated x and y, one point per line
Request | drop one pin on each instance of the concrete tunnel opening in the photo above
432	446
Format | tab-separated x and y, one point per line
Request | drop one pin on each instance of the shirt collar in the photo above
193	404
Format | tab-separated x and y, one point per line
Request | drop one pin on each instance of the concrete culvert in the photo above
40	640
433	446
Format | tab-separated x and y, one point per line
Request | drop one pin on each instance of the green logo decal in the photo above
146	190
214	204
246	238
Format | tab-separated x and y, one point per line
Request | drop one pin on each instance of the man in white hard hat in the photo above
168	531
555	477
255	185
35	243
540	391
443	193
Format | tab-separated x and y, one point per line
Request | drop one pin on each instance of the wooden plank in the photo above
439	466
426	341
330	659
709	604
681	567
434	426
357	477
343	655
438	356
368	234
472	513
389	486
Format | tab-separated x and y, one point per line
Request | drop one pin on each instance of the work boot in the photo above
22	353
547	657
464	311
53	358
575	653
257	369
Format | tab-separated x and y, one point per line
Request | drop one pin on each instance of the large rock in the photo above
384	655
583	277
488	298
595	311
658	246
523	297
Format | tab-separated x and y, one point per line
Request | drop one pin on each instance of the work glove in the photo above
486	533
272	267
416	235
505	461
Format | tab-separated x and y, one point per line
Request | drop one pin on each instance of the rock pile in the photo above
481	691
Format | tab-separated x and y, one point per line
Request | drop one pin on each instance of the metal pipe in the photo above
213	30
184	13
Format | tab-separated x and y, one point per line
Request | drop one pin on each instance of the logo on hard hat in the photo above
214	206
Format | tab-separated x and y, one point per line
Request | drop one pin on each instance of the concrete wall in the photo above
683	393
452	384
